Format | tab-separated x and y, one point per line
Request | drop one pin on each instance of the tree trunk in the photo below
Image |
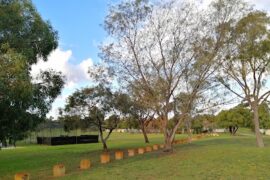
234	130
4	142
105	148
167	137
146	140
14	142
230	129
256	122
168	143
188	130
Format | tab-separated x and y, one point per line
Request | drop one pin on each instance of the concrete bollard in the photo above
104	158
155	147
148	149
21	176
59	170
131	152
85	164
141	151
119	155
186	140
161	146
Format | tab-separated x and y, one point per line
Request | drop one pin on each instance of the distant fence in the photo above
62	140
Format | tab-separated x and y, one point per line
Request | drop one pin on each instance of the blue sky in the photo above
79	24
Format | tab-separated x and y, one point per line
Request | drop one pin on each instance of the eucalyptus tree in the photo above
163	50
22	27
97	107
24	102
25	38
245	69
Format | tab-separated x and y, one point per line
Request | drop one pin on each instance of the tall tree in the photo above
24	38
163	50
246	66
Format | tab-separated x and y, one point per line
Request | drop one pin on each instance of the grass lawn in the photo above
223	157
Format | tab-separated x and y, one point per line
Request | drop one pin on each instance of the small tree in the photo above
97	107
135	107
144	117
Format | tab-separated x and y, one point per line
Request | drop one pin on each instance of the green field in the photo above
223	157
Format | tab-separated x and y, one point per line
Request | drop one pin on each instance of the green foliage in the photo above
23	29
70	122
256	44
264	116
237	116
93	105
128	123
242	117
24	100
96	106
203	122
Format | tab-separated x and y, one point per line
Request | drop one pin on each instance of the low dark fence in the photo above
83	139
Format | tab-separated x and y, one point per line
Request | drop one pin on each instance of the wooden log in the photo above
119	155
59	170
155	147
21	176
85	164
141	151
104	158
131	152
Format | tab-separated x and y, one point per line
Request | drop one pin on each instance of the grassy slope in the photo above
222	157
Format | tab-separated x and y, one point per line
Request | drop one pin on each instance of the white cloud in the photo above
76	74
59	60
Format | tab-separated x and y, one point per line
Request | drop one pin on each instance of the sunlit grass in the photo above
224	157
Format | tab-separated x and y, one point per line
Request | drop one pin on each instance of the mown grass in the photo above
39	159
223	157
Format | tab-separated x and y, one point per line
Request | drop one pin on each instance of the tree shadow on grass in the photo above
233	141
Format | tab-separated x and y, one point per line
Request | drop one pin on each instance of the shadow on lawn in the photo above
227	141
